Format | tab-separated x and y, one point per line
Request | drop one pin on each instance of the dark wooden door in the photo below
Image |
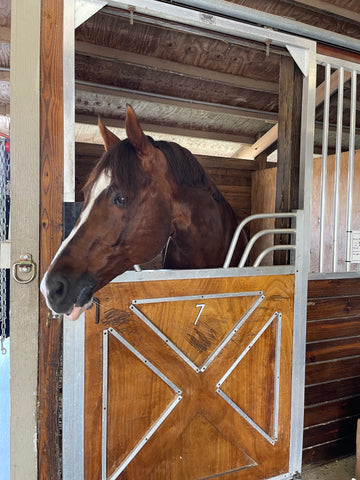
189	379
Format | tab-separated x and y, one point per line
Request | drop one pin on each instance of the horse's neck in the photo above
201	233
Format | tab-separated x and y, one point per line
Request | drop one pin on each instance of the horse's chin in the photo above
75	312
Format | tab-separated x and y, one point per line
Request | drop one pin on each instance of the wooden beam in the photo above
328	7
151	127
160	64
177	101
51	199
271	135
288	162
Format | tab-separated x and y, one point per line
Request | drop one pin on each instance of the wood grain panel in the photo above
330	450
332	392
328	371
51	197
332	349
329	432
335	390
333	328
317	414
263	201
333	307
334	287
203	435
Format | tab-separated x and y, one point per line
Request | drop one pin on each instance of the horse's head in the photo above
125	221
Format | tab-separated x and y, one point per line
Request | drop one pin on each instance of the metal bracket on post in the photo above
25	265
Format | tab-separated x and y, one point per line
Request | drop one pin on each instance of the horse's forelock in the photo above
122	164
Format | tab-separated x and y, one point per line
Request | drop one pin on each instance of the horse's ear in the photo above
109	137
137	137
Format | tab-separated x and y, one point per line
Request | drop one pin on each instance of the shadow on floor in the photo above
343	469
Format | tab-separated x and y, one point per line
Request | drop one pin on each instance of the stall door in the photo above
189	379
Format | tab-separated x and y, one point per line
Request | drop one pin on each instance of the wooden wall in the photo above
332	394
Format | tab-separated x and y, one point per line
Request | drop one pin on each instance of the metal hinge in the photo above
5	251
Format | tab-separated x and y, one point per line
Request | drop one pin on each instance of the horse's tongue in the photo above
75	313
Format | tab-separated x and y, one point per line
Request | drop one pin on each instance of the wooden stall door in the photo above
189	379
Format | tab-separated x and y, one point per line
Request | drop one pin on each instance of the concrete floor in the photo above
343	469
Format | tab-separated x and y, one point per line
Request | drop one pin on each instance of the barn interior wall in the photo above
332	393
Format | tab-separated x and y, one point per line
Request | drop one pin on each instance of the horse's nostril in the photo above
60	290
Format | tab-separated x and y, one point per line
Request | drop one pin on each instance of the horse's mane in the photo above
121	160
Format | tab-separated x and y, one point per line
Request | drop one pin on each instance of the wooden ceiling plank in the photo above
161	64
272	135
184	103
330	8
186	132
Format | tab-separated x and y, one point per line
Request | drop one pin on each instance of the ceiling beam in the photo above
127	94
328	7
271	135
160	64
150	127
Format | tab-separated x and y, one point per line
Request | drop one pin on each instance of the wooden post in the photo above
51	199
357	469
24	298
287	179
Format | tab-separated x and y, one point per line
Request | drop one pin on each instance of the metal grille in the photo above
337	235
4	228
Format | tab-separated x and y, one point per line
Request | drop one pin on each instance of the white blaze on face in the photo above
99	186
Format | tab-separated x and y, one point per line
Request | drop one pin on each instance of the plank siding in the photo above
332	393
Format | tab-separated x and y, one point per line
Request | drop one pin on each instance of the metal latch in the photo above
26	267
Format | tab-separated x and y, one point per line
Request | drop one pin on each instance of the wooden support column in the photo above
51	199
287	179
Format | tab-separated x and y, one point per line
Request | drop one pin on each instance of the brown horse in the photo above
142	198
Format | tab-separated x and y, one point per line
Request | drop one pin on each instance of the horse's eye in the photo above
120	200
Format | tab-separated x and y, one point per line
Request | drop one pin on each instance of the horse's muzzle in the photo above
63	293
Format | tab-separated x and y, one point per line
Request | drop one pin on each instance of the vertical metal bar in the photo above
337	166
73	399
351	169
277	378
69	100
104	404
325	141
303	227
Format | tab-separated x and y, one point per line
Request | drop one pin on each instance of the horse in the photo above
142	198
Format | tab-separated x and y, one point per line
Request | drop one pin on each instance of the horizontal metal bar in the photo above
234	272
184	298
337	62
261	234
241	226
272	249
